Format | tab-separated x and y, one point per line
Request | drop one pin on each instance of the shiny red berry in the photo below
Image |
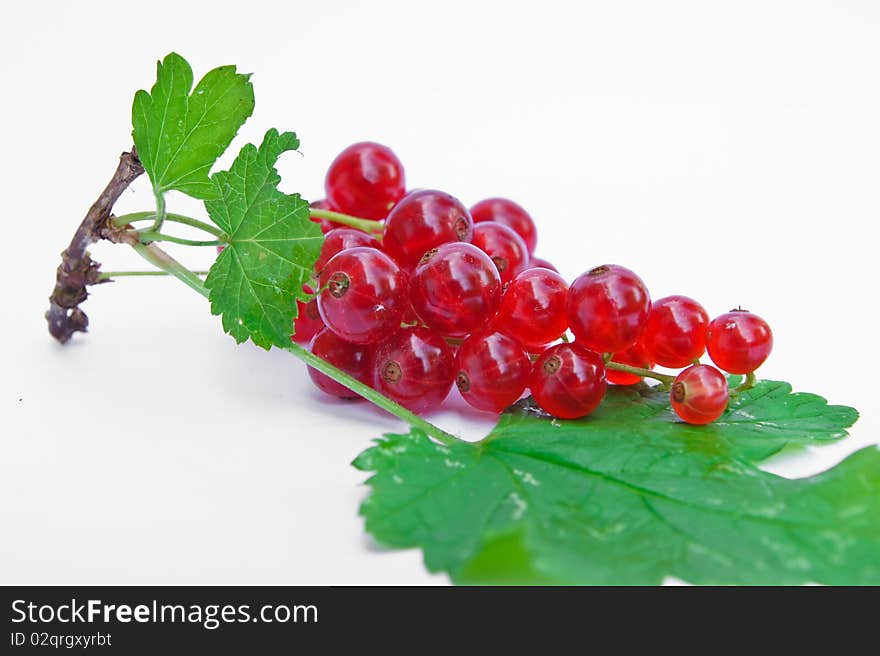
456	289
366	179
493	371
533	308
634	356
308	322
739	341
415	368
340	239
607	308
568	381
506	212
699	394
423	220
541	263
505	247
353	359
675	334
363	295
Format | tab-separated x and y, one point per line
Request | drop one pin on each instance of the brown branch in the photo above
77	269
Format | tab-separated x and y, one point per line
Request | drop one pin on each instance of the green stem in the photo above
149	236
125	219
747	384
638	371
366	225
108	275
161	259
370	394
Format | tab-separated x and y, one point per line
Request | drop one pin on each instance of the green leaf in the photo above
255	282
630	496
758	423
179	135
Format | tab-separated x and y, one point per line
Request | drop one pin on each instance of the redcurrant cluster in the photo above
443	294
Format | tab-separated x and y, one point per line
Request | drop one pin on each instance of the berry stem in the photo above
638	371
124	219
161	259
108	275
747	384
367	225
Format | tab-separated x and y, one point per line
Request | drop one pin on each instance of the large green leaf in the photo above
257	279
179	135
630	496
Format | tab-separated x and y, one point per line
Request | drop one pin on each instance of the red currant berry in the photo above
455	289
508	213
675	334
340	239
353	359
308	321
505	247
634	356
415	368
533	308
607	308
541	263
739	341
699	394
363	295
326	225
493	371
423	220
568	381
366	179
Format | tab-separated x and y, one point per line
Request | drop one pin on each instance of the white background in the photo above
728	151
